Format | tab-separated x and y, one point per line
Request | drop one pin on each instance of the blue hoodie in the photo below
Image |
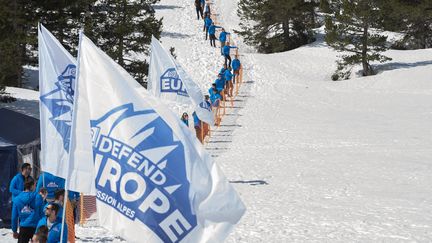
214	97
212	29
228	75
226	50
51	182
16	185
235	64
23	209
223	36
220	84
208	21
55	231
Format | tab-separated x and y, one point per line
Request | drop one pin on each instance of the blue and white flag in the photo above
163	79
57	69
154	180
163	87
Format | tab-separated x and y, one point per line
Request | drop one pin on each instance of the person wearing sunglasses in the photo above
53	223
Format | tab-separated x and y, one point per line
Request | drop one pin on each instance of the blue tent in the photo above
19	143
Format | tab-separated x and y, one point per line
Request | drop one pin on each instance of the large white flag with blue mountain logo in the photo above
154	180
168	80
57	70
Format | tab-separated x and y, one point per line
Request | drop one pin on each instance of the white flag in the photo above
56	82
162	87
163	79
154	180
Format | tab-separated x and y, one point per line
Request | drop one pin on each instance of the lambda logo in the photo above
171	83
59	102
141	171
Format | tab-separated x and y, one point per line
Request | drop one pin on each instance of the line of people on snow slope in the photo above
223	86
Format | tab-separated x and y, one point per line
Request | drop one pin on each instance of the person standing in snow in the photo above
220	83
223	38
212	32
17	183
226	53
229	84
198	8
236	68
215	98
185	119
24	213
207	23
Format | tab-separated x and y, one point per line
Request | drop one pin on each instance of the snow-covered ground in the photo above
314	160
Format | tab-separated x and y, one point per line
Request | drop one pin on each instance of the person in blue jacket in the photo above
229	83
207	22
226	52
215	98
212	34
220	83
223	38
23	211
222	71
54	224
213	86
17	183
51	182
236	67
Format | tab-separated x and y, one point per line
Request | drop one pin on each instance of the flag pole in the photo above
64	212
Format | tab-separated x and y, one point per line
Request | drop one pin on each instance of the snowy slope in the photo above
323	161
315	160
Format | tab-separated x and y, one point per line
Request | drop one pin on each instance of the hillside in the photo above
315	160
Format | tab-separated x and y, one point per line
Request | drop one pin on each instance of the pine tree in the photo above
277	25
12	42
123	29
355	32
414	19
63	19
